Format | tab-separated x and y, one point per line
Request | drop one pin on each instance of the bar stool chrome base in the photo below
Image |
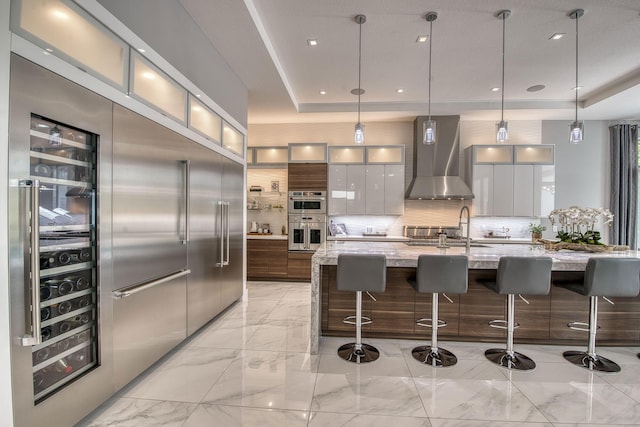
438	357
598	363
351	353
517	361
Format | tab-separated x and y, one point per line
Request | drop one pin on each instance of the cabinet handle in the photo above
228	228
144	286
32	326
220	262
187	201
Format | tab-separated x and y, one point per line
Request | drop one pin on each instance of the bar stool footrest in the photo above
427	323
351	353
517	361
597	363
580	326
351	320
435	357
501	324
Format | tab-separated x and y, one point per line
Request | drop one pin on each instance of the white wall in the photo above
170	31
6	411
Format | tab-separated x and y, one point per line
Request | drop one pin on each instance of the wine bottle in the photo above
62	366
45	293
65	287
45	313
82	283
42	354
64	307
63	345
84	254
38	379
45	333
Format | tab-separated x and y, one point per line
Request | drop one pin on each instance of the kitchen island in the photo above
394	314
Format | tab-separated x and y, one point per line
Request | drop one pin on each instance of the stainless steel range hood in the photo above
436	167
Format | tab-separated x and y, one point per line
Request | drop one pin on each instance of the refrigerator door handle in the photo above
144	286
228	232
220	262
307	236
187	201
32	328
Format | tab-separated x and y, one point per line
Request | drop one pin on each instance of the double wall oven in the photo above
307	220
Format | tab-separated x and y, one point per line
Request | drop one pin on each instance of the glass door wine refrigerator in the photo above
56	137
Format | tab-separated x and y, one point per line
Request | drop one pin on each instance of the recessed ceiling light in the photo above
400	90
422	39
323	92
535	88
198	95
576	88
312	42
49	49
141	50
495	89
557	36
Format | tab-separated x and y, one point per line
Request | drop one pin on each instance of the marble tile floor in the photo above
251	367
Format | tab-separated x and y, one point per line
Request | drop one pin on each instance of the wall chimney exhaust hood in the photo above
436	167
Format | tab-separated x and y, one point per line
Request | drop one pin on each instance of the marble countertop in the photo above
267	236
401	255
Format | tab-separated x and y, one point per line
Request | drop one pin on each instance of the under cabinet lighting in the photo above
495	89
312	42
422	39
557	36
399	90
323	92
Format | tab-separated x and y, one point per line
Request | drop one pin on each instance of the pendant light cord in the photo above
504	19
429	83
359	65
576	88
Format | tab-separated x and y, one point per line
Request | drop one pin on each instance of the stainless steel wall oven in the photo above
307	232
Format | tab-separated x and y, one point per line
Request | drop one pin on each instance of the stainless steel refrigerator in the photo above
60	259
175	241
125	237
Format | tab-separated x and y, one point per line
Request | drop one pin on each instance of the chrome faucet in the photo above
468	223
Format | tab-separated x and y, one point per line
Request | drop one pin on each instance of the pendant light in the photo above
503	134
576	129
359	131
429	127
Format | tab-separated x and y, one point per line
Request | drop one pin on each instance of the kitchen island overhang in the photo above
543	320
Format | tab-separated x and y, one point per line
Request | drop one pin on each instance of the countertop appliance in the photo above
307	232
307	202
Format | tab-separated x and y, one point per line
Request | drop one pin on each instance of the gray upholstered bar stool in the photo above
517	275
606	277
435	274
360	273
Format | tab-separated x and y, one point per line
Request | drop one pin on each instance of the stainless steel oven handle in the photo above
187	201
144	286
307	237
32	331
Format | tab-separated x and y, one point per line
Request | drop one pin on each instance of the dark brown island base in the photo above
542	320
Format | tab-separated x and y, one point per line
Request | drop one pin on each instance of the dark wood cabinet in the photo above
307	176
299	266
266	259
543	320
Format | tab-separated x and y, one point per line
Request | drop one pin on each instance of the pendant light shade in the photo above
358	136
429	126
502	135
576	129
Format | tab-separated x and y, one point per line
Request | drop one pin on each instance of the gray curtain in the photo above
624	183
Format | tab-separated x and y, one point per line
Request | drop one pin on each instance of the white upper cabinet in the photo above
346	155
511	180
394	189
375	190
